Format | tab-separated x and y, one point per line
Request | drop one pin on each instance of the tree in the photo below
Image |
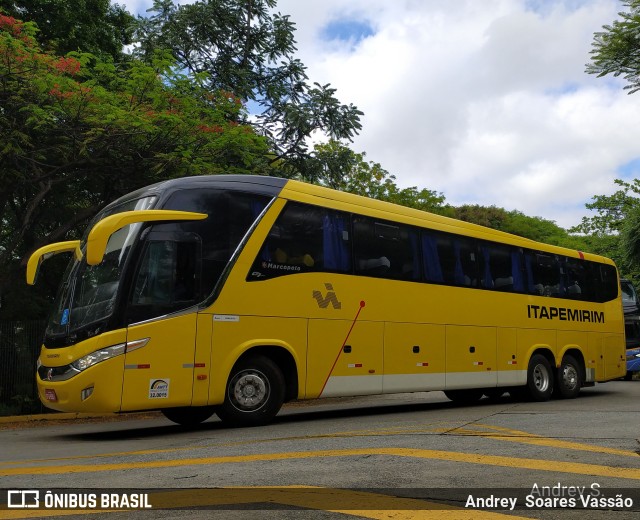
77	132
517	223
336	166
616	50
630	242
241	47
94	26
615	217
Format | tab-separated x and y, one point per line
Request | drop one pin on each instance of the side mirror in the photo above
101	231
46	252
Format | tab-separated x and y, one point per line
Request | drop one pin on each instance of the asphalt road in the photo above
400	456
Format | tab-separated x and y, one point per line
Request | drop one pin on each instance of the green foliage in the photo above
515	222
77	132
616	50
615	215
630	237
94	26
336	166
244	48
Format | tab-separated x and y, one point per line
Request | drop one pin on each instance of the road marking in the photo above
511	435
490	460
376	506
539	440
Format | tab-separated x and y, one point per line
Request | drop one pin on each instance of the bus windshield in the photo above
88	293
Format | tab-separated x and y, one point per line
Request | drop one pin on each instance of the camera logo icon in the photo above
23	499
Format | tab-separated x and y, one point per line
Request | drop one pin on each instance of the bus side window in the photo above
458	259
543	275
606	282
385	249
575	279
433	270
304	238
502	268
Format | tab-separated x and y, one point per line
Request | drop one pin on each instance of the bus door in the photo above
162	312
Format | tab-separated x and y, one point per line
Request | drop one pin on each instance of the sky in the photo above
486	102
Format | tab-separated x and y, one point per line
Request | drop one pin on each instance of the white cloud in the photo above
485	101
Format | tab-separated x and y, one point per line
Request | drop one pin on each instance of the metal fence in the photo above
20	343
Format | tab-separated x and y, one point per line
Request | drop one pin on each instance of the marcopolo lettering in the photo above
542	312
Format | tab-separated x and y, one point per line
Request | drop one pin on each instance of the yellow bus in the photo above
234	294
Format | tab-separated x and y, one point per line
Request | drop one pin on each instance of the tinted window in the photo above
385	249
231	214
577	282
502	268
543	274
605	278
168	275
305	239
458	259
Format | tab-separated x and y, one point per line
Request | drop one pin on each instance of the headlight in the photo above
98	356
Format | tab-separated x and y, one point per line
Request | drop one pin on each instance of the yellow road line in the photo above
351	433
539	440
512	436
490	460
354	503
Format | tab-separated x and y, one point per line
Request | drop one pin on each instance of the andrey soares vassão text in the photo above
557	496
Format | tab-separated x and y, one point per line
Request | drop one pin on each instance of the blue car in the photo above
633	362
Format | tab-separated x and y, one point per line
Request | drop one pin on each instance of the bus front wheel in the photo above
189	415
254	394
569	378
539	378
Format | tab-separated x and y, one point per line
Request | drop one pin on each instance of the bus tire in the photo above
464	396
568	378
254	394
539	378
189	415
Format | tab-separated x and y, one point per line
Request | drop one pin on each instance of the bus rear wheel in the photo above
464	396
569	378
189	415
254	394
539	378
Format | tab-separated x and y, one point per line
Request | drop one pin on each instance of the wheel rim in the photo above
569	377
541	378
249	390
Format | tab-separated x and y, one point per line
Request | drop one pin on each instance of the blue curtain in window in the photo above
458	274
516	272
336	252
415	254
432	269
487	279
530	284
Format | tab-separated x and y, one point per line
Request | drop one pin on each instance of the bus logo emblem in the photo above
330	298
